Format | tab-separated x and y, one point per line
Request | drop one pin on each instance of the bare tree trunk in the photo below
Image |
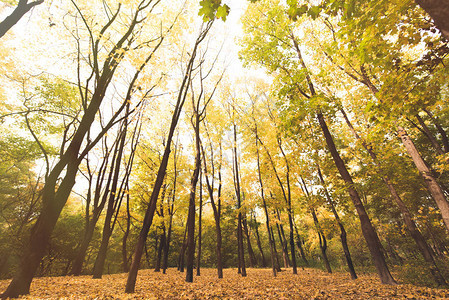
198	261
441	131
252	256
21	9
278	264
300	248
149	213
259	244
405	213
429	179
264	203
368	230
182	252
241	252
343	239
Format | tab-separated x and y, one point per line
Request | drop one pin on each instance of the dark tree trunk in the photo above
368	230
441	131
259	244
264	203
278	263
160	248
252	256
300	248
322	242
216	206
182	252
114	203
125	258
344	242
198	261
238	193
21	9
439	11
149	213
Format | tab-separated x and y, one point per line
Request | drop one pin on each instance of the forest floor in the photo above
259	284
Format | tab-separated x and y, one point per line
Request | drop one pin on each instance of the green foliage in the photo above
211	9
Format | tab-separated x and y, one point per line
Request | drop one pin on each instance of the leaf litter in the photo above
259	284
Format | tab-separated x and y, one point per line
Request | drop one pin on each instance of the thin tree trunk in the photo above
252	256
368	230
440	129
300	248
405	213
322	242
259	244
429	135
343	239
241	253
264	203
278	263
125	258
182	252
114	202
198	261
149	213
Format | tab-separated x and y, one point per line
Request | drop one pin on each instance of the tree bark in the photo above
440	129
429	179
368	230
344	242
149	213
259	244
252	256
241	252
21	9
439	11
198	261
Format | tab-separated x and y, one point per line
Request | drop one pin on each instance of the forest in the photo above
224	149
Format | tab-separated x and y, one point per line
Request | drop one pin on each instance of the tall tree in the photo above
149	213
56	192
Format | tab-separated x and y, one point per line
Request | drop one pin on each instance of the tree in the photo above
55	193
23	6
149	213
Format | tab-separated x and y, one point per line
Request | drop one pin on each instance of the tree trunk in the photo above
278	264
149	213
405	213
114	202
322	241
368	230
429	179
21	9
344	242
264	203
439	11
160	248
429	135
125	259
441	131
259	245
238	193
300	248
252	256
198	261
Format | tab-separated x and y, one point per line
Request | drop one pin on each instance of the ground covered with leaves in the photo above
259	284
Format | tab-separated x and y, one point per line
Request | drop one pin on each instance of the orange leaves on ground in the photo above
259	284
